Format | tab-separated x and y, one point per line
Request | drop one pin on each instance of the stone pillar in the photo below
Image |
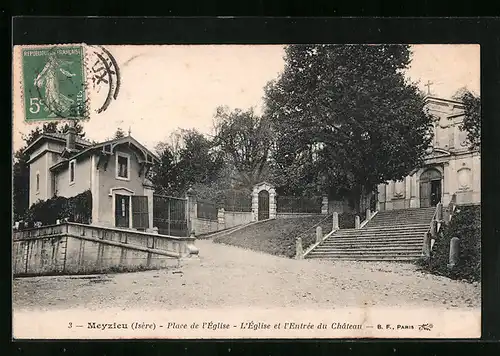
439	215
356	222
149	192
319	234
221	219
272	203
434	229
191	210
407	180
447	177
368	214
335	221
324	205
299	252
426	248
454	252
255	205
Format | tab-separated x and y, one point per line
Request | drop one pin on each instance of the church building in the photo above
450	167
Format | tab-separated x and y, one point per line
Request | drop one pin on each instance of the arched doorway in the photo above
430	188
263	205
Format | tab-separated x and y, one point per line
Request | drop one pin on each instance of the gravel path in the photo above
231	276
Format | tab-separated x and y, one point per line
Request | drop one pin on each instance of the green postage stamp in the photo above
54	83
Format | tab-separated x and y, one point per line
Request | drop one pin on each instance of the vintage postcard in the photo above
246	191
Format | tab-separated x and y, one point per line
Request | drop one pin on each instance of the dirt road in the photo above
230	276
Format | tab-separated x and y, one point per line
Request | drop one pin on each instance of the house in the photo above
114	171
450	167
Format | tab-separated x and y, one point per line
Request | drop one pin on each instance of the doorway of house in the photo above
430	188
122	210
263	205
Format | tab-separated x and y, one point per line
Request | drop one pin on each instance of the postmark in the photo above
104	77
54	83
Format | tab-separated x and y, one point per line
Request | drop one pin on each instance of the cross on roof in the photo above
428	85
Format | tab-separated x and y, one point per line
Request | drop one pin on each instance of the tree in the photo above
119	133
346	119
472	118
21	167
245	140
188	160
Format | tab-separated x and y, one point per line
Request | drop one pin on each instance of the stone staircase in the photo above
395	235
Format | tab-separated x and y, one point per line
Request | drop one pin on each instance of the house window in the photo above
122	166
37	182
72	171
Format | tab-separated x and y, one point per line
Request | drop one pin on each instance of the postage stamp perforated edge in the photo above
19	84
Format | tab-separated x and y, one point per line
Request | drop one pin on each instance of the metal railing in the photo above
170	215
297	205
206	210
238	201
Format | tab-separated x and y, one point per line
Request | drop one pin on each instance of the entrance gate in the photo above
170	216
263	205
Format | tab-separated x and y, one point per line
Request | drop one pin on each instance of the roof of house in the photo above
59	137
108	147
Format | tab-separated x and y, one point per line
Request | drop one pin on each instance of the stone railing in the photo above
369	215
431	235
172	246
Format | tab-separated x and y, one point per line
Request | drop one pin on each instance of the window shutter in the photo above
140	214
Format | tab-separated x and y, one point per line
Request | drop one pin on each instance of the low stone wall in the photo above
294	215
203	226
71	248
235	218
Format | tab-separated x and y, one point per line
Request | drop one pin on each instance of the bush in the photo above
346	220
75	209
466	225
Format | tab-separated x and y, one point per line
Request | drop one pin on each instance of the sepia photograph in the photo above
246	191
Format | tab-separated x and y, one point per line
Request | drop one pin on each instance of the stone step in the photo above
389	227
377	237
368	249
369	258
367	253
330	244
380	238
392	224
380	232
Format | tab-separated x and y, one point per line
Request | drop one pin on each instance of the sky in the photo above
164	88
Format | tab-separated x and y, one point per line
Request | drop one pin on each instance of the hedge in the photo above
466	225
75	209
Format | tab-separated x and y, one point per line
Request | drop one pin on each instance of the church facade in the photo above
450	168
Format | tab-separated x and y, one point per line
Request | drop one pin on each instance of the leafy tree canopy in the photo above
345	118
245	140
472	119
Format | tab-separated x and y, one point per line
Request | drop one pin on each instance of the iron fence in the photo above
238	200
293	205
170	216
206	210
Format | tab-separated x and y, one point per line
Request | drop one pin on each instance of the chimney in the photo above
70	137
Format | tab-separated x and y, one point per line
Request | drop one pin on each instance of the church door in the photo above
263	205
430	188
425	190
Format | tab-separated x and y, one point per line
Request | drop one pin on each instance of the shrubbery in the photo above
466	225
75	209
346	220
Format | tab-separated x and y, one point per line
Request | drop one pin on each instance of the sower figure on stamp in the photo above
47	79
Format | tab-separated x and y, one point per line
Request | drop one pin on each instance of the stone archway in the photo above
263	197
